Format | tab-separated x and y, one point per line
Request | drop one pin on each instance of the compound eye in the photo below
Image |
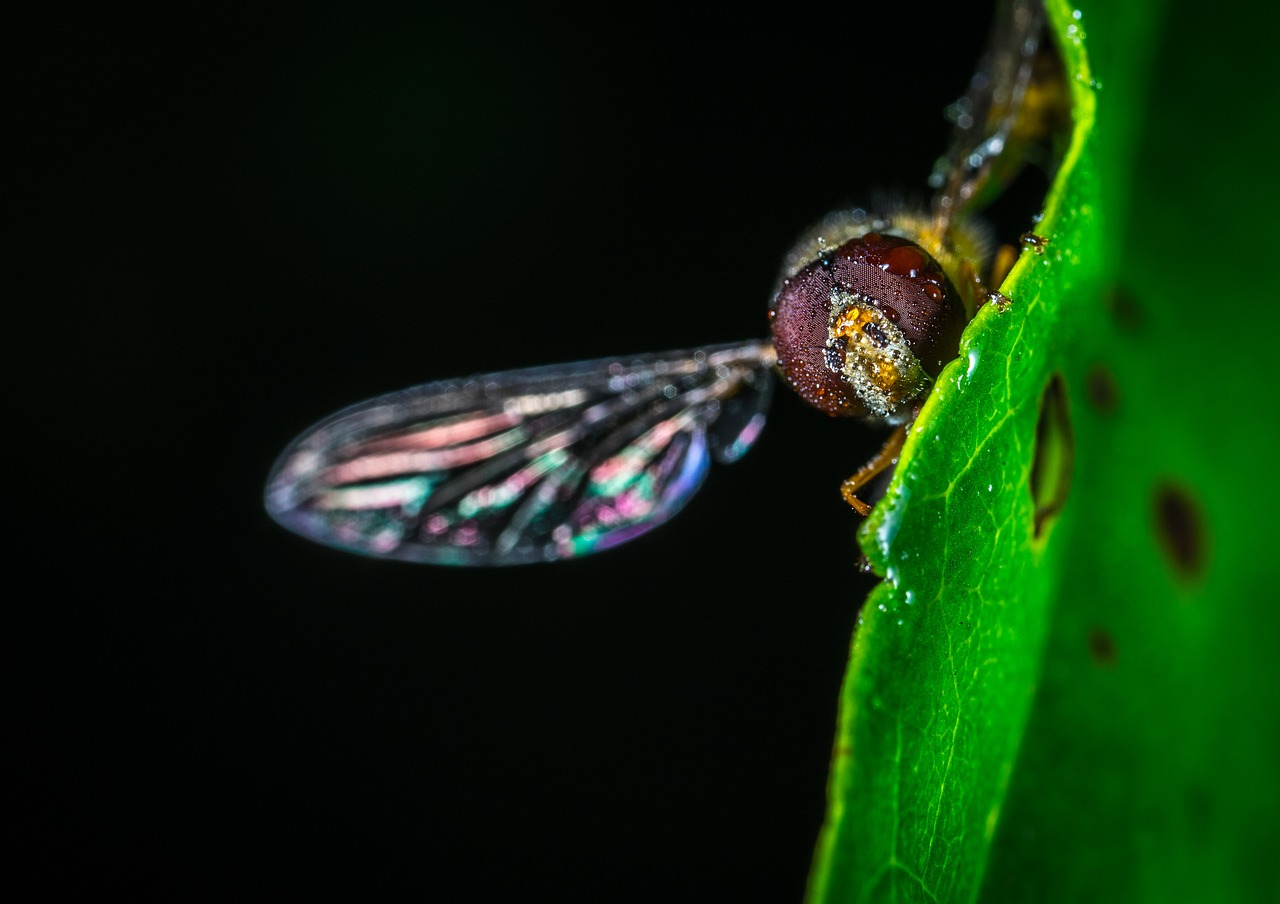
862	330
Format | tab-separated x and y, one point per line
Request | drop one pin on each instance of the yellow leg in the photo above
887	457
1006	257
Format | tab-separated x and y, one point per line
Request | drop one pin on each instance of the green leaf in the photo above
1082	704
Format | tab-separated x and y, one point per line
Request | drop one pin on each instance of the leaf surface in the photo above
1080	704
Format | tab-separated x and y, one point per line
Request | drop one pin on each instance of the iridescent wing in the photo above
525	465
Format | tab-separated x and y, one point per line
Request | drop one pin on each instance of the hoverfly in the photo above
554	462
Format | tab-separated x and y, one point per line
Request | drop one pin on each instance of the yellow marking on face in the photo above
878	364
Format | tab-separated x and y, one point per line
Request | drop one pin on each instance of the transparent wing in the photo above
988	113
525	465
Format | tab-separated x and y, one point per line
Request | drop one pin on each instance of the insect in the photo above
554	462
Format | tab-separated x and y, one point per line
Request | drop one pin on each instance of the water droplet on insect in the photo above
904	260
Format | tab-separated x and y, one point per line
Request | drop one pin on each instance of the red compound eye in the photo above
861	329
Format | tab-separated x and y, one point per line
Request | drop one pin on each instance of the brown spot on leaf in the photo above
1102	646
1100	388
1180	529
1125	310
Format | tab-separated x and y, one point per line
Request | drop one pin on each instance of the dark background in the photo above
233	227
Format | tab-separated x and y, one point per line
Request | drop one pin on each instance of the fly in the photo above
555	462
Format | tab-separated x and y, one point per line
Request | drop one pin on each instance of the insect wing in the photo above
988	113
523	466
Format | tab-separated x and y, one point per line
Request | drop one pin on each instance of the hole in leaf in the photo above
1180	529
1102	646
1055	454
1101	390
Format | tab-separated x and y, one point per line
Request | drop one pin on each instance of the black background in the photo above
233	227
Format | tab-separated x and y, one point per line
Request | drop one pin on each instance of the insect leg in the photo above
887	457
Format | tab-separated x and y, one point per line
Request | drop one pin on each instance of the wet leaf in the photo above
1076	701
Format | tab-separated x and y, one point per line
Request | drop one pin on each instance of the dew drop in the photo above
904	260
